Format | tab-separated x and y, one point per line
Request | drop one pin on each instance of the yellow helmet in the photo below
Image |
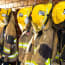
58	13
4	13
23	17
39	15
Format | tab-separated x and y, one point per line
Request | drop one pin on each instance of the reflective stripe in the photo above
6	50
23	45
15	40
48	61
45	18
3	55
30	63
13	55
1	24
2	64
57	56
61	60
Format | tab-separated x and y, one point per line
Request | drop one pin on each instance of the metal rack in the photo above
19	3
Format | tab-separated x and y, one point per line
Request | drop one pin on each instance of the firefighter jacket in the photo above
10	52
41	49
23	43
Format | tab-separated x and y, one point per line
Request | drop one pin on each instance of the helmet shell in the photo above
4	13
22	16
39	14
58	13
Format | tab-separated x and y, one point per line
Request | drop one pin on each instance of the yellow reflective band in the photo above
30	63
6	50
61	60
48	62
15	40
34	62
23	45
13	55
57	56
2	24
3	55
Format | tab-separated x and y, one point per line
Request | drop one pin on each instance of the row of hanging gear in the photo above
58	17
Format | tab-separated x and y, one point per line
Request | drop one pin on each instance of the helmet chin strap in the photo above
20	26
5	21
45	18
